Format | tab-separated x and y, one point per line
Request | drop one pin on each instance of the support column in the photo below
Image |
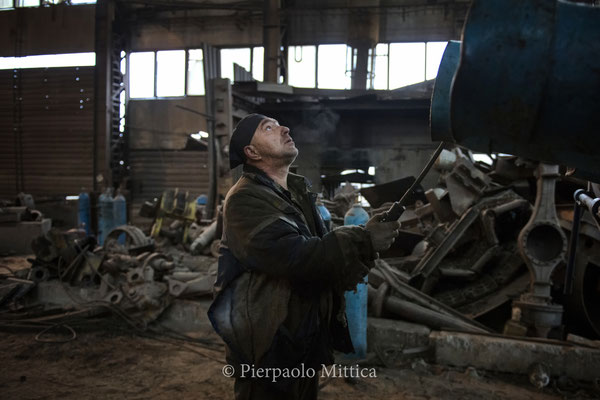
363	34
105	10
271	40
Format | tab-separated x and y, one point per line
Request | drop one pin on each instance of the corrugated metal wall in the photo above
46	131
154	171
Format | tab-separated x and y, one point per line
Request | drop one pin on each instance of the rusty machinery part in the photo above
39	274
176	288
134	237
177	205
379	298
426	301
204	239
114	297
201	286
505	267
451	236
140	275
158	262
543	245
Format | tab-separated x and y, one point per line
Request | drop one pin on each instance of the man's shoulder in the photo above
251	193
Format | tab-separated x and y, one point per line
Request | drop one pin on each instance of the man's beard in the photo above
282	159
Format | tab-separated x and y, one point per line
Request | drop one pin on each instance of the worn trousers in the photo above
253	389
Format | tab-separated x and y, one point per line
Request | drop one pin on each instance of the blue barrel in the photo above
325	215
120	213
105	216
83	220
356	302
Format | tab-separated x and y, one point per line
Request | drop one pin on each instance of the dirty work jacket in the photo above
281	277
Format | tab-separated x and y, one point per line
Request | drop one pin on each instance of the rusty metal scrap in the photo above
486	239
131	277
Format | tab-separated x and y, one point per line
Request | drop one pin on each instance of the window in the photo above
230	56
332	68
8	4
141	77
49	61
258	63
302	66
28	3
435	51
407	61
170	73
169	78
380	79
195	71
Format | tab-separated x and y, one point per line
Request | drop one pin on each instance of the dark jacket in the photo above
281	277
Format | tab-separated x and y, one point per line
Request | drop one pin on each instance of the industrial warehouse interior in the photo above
299	199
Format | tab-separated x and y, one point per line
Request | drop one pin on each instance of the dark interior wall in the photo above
304	23
47	30
158	132
46	131
392	136
164	123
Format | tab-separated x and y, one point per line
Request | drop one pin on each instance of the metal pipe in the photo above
416	313
572	251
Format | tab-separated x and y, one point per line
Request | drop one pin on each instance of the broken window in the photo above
240	57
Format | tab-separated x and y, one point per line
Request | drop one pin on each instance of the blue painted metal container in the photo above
527	83
119	213
84	215
106	215
441	129
356	301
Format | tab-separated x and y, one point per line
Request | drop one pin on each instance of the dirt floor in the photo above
118	365
106	359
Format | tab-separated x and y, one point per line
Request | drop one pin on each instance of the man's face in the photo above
273	142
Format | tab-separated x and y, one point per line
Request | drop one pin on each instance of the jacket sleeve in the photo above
268	240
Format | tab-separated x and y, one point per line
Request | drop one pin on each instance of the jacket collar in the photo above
296	182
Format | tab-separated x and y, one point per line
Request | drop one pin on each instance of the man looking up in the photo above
281	279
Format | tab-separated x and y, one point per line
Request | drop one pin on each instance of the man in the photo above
279	292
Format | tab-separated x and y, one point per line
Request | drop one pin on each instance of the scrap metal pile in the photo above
464	247
128	276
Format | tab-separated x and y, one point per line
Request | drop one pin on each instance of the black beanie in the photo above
241	137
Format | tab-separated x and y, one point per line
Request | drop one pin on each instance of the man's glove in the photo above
382	234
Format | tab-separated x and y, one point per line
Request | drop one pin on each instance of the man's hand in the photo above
383	234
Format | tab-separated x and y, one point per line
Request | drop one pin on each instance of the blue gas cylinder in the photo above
202	200
84	211
356	301
105	216
120	213
325	214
